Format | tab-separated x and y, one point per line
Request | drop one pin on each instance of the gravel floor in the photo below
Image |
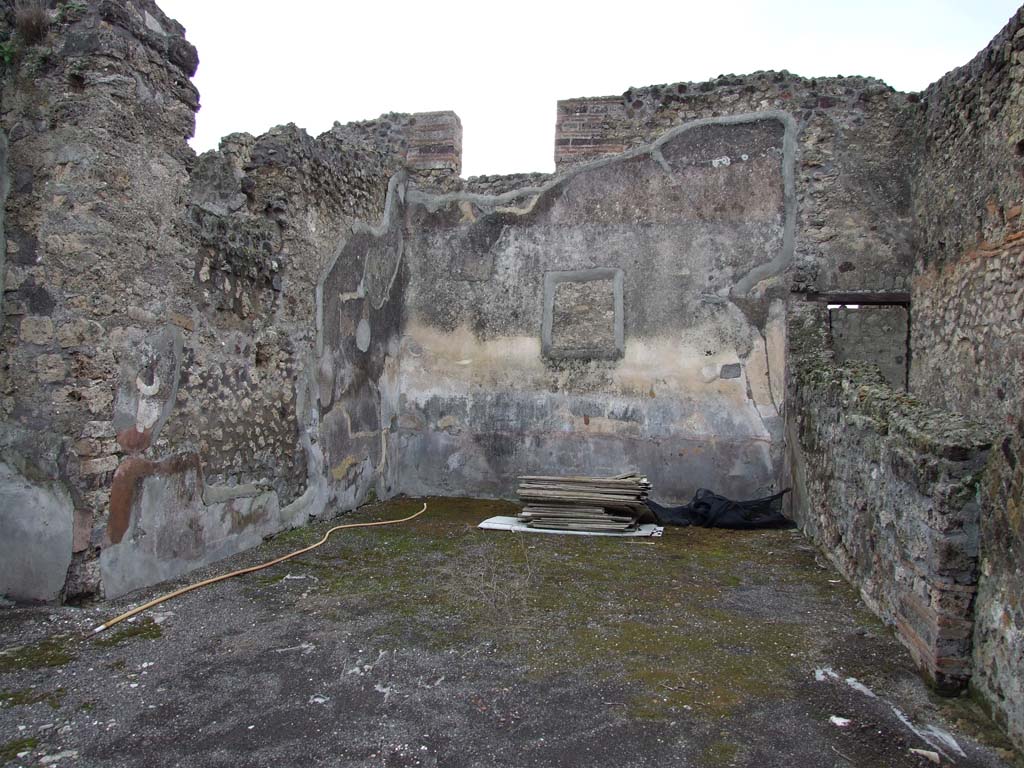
436	644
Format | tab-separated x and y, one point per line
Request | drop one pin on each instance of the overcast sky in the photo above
502	66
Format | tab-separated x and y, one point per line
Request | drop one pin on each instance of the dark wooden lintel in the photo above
899	298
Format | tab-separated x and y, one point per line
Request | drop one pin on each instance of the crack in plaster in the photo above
768	372
433	202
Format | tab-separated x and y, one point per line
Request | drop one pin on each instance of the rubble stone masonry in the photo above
887	487
165	395
967	332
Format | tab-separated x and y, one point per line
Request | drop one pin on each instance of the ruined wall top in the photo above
970	181
105	28
855	147
429	144
588	128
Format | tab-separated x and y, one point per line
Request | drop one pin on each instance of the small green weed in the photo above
12	749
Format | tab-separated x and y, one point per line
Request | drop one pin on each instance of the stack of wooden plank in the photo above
583	503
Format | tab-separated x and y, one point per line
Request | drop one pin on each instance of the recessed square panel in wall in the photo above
583	314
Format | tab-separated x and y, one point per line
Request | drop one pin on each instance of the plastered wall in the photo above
627	315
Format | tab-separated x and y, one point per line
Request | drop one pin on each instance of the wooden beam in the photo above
899	298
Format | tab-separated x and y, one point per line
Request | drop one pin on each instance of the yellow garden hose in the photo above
241	571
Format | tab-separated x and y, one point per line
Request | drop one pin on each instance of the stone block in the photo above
51	368
36	330
79	332
873	334
99	466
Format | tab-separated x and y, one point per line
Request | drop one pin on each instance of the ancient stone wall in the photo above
887	487
499	185
999	607
968	322
167	398
96	114
427	144
853	154
968	332
627	314
199	352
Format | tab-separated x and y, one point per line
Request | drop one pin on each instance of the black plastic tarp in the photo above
709	510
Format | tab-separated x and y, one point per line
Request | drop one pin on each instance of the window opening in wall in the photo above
873	332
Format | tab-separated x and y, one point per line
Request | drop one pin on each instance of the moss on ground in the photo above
145	628
695	623
11	749
28	697
647	614
52	652
690	628
719	753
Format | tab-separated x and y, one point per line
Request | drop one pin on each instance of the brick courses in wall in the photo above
968	324
585	130
435	143
999	608
428	144
887	487
968	287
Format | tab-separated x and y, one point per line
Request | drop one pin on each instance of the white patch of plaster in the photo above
147	414
858	686
147	390
676	366
823	673
671	369
358	293
433	362
304	649
148	411
363	335
758	375
775	349
932	735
